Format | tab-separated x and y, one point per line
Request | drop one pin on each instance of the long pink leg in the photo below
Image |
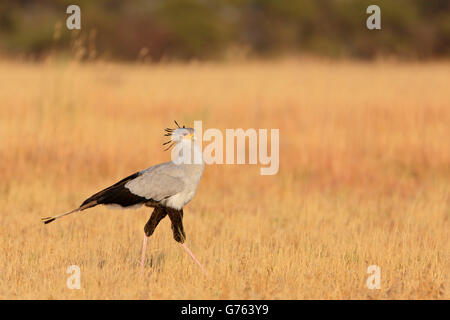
144	249
194	258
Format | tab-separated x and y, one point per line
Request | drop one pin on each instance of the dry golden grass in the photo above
364	179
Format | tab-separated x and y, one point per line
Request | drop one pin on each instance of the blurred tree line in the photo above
213	29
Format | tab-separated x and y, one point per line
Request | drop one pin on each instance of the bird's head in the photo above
179	134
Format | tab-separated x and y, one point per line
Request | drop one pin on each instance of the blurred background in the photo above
152	30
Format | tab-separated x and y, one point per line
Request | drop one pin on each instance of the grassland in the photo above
364	179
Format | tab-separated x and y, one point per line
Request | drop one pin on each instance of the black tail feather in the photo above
48	220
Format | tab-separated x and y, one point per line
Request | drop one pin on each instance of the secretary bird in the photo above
166	187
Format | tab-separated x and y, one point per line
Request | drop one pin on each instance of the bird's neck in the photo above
187	152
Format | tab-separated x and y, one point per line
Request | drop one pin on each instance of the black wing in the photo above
115	194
